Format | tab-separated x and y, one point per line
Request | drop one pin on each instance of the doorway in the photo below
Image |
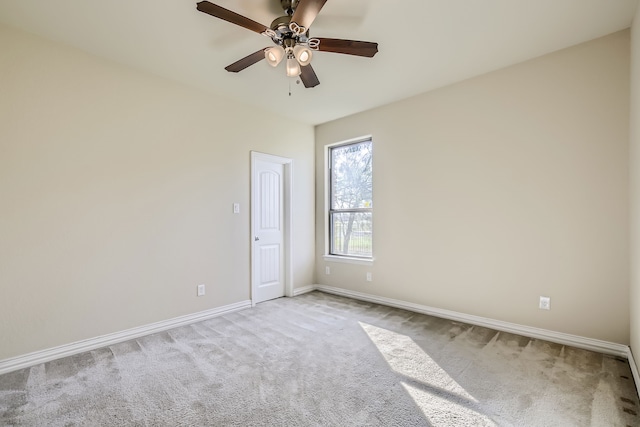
271	184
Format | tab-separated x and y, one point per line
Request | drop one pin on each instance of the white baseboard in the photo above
634	370
303	290
599	346
42	356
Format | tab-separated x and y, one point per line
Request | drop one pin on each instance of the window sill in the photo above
348	260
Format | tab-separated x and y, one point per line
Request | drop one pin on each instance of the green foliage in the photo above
352	177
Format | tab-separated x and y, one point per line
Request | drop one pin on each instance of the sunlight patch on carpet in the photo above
443	401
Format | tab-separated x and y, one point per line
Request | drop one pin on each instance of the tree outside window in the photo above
351	210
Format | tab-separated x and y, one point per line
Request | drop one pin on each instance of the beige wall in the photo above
635	188
497	190
116	193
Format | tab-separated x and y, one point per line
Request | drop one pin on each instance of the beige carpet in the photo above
323	360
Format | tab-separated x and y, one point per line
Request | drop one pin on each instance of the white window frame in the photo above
327	204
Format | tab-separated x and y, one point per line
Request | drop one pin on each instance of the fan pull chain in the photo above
297	82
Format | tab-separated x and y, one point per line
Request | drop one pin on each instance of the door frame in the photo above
287	172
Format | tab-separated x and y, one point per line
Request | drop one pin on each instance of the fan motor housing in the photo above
281	27
281	24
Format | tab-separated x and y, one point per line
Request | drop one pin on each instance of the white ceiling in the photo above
424	44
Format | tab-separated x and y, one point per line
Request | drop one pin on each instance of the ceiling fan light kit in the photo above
293	68
274	55
303	54
290	34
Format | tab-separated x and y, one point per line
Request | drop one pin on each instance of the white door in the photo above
268	230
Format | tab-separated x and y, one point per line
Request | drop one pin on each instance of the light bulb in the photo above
303	54
293	68
274	55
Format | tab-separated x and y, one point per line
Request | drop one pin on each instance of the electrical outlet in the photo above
545	303
369	278
236	208
327	270
200	290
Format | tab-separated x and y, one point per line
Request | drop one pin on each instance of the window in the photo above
351	199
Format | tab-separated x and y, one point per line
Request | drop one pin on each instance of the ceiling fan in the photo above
290	34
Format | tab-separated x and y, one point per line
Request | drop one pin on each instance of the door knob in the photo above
256	238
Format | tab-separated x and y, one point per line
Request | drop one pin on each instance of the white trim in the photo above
527	331
634	370
288	229
303	290
350	141
287	165
42	356
327	199
347	260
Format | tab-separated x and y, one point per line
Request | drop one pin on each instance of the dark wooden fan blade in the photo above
229	16
306	12
349	47
308	76
245	62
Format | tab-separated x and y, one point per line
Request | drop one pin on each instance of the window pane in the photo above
351	176
351	233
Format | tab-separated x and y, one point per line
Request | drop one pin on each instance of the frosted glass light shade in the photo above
293	68
303	54
274	55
